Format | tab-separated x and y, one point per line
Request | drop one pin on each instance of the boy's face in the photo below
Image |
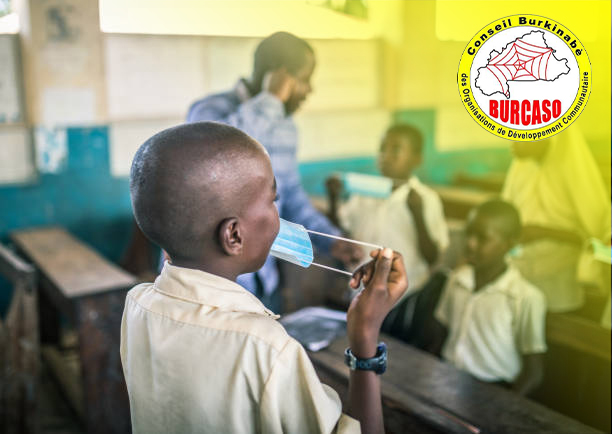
485	244
259	218
302	84
396	158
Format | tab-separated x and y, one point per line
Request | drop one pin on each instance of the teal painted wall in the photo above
83	197
437	168
95	206
440	167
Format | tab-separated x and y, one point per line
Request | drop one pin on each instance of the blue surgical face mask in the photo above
367	185
292	244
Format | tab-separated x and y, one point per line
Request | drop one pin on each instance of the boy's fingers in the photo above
382	269
369	272
397	275
358	275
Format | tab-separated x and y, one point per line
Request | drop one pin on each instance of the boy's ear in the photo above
230	236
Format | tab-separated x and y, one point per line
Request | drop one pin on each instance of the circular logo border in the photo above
464	83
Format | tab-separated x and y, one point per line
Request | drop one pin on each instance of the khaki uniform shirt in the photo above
202	354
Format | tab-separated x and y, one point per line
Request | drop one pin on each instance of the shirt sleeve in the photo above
347	212
295	401
436	223
531	323
255	116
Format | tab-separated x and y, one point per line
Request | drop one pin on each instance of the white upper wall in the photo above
249	18
151	80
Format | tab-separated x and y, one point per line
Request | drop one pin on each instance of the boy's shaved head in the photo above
185	180
505	216
492	230
412	135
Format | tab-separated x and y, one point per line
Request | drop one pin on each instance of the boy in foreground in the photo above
199	352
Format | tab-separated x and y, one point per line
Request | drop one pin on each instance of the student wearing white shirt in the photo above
493	319
559	192
411	220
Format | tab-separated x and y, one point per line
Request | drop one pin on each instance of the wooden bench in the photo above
577	369
19	348
90	292
578	333
420	389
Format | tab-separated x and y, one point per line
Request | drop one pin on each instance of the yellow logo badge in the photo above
524	77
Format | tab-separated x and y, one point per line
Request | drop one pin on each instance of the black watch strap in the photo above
378	363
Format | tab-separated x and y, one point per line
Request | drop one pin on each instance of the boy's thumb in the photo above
382	268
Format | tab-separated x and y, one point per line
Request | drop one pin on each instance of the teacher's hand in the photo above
279	83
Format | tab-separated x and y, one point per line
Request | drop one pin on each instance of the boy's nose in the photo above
471	243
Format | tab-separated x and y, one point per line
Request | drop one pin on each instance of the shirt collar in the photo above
208	289
465	277
412	183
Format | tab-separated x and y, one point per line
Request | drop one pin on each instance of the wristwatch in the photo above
378	363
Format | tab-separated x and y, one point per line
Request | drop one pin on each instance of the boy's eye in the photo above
277	197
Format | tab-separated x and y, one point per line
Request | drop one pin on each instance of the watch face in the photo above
378	363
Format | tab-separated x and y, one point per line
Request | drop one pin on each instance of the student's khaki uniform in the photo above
202	354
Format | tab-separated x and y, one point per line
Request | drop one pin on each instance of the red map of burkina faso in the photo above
527	58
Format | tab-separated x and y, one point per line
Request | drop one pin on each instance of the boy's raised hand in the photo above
333	185
385	282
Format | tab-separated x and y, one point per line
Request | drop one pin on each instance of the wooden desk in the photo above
90	291
446	399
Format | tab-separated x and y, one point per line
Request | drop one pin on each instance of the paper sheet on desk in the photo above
315	327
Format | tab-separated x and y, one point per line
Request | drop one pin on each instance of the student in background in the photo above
263	107
411	220
558	189
199	352
491	320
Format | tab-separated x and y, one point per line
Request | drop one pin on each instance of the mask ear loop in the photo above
343	239
332	269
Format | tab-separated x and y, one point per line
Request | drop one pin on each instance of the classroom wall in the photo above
89	99
126	86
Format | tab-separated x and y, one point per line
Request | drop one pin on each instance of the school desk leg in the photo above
106	399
